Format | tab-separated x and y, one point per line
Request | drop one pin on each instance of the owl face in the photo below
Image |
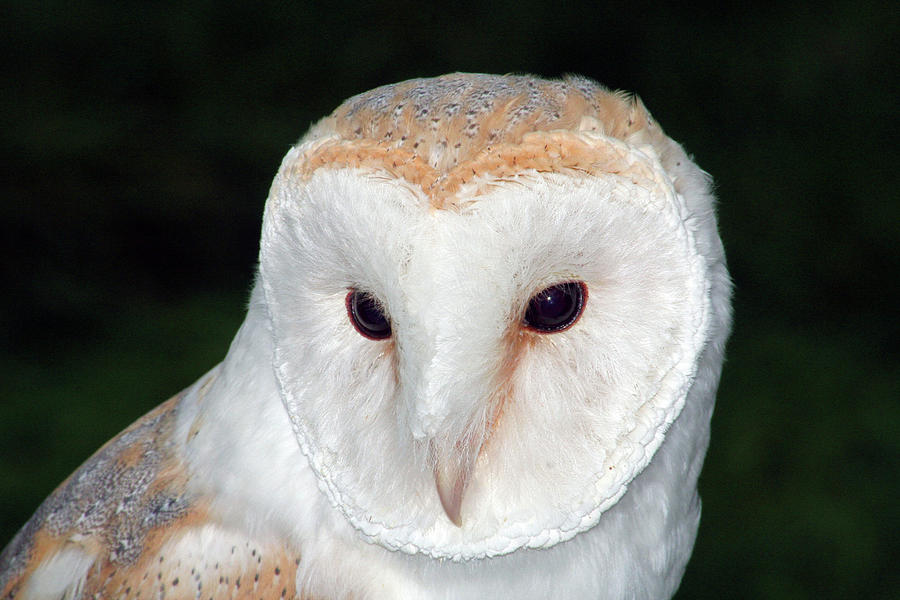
480	357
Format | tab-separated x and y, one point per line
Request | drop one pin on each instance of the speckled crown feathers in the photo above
442	132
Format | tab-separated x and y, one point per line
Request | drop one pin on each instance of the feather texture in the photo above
466	455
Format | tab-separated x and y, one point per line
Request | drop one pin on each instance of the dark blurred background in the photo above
139	141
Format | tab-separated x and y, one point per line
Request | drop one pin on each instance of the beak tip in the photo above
452	513
451	477
450	491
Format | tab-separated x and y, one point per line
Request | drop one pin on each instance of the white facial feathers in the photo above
465	435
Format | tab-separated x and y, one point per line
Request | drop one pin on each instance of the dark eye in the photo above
556	308
367	316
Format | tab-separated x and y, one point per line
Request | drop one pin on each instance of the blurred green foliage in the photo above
138	141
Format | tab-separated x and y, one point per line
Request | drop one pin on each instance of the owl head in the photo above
490	297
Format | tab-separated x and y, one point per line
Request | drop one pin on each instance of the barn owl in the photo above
479	361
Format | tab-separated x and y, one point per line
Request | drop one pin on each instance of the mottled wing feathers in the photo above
109	509
125	526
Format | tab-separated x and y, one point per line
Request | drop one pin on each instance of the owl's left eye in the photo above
556	308
367	316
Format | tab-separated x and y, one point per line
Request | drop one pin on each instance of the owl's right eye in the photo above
367	316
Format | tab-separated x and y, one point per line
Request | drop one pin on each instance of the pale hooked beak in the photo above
455	416
451	477
454	463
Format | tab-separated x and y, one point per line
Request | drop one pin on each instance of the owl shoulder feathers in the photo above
126	525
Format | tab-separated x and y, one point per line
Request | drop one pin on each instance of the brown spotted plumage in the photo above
444	133
449	120
125	518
